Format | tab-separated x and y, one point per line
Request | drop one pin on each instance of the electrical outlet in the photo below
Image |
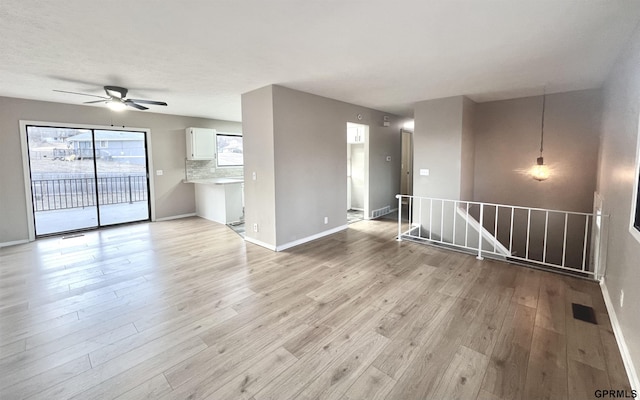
255	227
254	176
621	298
326	220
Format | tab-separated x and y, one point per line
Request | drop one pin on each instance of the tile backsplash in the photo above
207	169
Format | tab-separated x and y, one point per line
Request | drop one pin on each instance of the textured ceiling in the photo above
200	56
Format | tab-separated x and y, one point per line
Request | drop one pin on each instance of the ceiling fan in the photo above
117	100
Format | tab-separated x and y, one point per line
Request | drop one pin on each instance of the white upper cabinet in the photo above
355	134
201	144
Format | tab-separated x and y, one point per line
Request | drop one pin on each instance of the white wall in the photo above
357	158
616	183
172	197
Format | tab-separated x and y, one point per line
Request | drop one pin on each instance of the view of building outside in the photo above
229	150
73	171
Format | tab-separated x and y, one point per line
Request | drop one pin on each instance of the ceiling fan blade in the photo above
95	101
130	103
152	102
116	91
81	94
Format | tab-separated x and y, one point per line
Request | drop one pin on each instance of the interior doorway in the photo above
357	172
83	178
406	170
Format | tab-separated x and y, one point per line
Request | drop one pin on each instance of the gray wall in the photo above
443	143
310	163
259	152
616	182
507	142
172	197
467	159
483	152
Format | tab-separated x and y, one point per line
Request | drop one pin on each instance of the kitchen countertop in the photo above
216	181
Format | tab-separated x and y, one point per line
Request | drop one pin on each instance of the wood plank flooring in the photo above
186	309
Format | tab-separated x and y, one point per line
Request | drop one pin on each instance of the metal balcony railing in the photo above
557	239
60	194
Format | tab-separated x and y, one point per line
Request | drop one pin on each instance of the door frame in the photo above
404	133
26	168
366	195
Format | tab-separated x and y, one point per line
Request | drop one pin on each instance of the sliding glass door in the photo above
122	176
86	178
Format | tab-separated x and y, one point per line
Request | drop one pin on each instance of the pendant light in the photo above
539	171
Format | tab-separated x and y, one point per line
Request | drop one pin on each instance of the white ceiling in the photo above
200	56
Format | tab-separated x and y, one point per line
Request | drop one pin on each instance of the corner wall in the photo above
309	162
468	150
508	142
443	144
172	197
259	154
616	183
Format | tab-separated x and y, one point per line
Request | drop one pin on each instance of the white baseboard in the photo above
622	344
175	217
13	243
310	238
259	243
295	242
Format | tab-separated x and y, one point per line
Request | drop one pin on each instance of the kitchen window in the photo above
229	150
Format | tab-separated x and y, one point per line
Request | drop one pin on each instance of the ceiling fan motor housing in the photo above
116	91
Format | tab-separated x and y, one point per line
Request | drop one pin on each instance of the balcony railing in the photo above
532	236
60	194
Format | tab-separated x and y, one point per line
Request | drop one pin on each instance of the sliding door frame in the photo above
26	167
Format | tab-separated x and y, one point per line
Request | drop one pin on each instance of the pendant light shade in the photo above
540	171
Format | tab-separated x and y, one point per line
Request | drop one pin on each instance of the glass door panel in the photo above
63	181
121	169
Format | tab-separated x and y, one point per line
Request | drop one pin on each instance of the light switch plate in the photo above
424	172
159	172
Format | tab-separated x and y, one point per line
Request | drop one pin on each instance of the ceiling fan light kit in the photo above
117	100
116	105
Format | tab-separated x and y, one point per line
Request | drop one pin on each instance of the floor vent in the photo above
584	313
380	212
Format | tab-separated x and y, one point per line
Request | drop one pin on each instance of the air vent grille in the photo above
380	212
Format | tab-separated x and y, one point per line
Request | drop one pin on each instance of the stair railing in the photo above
532	236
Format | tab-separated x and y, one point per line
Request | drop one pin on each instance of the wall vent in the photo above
380	212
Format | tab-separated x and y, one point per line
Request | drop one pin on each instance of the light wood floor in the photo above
187	309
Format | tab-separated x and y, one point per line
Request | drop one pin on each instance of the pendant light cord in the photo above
542	130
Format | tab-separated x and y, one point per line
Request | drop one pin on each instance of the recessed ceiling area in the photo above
200	56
